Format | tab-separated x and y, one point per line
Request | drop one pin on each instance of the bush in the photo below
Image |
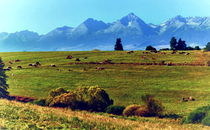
116	110
85	98
130	110
68	100
198	115
154	106
142	111
57	92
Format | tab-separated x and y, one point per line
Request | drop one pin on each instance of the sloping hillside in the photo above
14	115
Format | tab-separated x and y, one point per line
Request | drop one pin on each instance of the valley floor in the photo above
123	82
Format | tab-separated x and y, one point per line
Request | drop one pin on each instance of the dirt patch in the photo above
21	99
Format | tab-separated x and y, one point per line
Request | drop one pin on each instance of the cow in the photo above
100	68
77	59
38	64
52	65
69	57
30	65
19	67
17	60
129	52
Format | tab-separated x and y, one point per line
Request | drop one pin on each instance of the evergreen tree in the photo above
150	48
118	45
173	43
181	45
207	48
3	85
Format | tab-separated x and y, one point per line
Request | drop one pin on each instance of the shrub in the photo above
154	106
116	110
206	121
57	92
142	111
68	100
85	98
198	115
130	110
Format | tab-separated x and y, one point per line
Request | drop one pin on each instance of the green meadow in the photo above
124	83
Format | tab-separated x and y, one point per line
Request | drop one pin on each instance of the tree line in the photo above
174	45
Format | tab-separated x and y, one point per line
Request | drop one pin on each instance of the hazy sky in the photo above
44	15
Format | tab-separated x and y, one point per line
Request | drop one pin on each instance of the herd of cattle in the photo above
107	61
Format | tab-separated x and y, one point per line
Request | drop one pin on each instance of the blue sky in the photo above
44	15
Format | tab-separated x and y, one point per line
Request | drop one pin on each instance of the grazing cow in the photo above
129	52
10	62
85	57
38	64
188	99
182	52
84	69
35	65
9	67
69	57
30	65
52	65
184	100
107	61
154	51
77	59
19	67
191	98
145	52
17	60
187	54
100	68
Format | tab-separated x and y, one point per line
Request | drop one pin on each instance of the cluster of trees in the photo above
174	44
181	45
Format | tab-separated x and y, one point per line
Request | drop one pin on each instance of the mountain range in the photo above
95	34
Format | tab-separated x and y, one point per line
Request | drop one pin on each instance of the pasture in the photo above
125	83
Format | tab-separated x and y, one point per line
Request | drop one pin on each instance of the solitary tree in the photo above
3	85
118	45
173	43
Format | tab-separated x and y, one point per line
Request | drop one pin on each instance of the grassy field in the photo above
15	115
124	83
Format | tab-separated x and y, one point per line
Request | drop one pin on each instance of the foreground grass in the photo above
14	115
